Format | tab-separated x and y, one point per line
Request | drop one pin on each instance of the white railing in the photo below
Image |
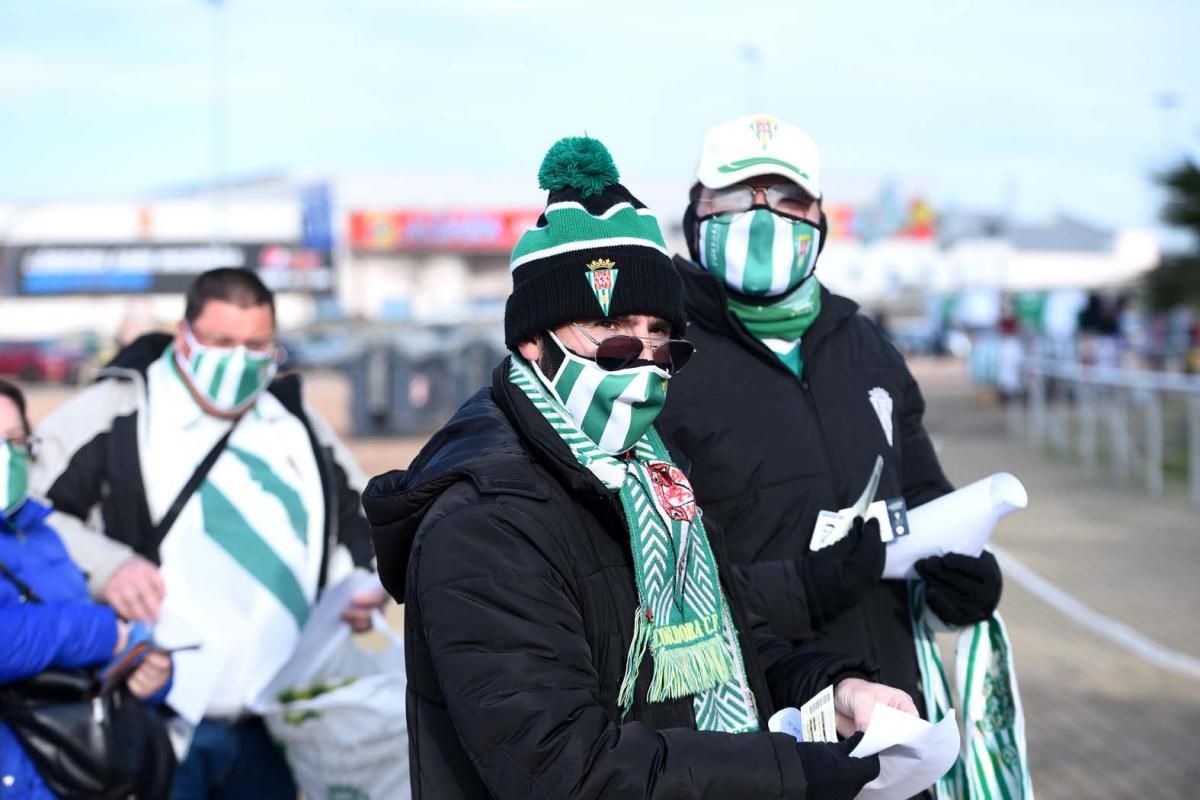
1129	416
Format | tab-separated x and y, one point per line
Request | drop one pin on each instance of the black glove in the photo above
830	771
960	589
838	576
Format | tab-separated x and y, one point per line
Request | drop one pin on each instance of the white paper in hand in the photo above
833	526
913	753
960	522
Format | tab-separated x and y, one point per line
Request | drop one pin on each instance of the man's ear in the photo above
530	349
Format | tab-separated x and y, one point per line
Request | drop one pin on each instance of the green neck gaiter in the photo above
787	319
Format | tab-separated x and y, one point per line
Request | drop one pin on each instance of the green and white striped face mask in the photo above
14	475
229	378
613	409
757	252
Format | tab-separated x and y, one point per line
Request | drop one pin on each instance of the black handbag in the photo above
85	742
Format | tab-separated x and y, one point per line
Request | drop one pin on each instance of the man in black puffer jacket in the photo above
790	399
569	628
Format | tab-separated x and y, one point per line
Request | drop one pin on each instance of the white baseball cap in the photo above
759	145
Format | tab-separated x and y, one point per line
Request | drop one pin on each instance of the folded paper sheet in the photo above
320	636
960	522
913	753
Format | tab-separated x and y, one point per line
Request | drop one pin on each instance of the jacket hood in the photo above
139	354
707	303
479	444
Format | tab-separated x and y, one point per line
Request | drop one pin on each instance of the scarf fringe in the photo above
643	628
682	671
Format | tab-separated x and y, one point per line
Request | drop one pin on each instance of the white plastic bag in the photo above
350	740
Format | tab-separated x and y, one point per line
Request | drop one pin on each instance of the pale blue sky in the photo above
1050	104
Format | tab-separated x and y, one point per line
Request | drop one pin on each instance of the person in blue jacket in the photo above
67	629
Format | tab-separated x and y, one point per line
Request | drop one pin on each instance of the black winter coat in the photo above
770	452
513	563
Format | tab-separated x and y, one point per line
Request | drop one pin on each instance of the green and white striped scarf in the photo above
683	617
993	764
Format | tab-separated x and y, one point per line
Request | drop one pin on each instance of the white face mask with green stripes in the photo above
14	476
757	252
613	409
228	378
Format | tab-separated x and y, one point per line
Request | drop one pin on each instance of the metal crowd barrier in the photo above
1128	418
409	389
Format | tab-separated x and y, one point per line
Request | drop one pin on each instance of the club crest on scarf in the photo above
602	277
672	491
763	129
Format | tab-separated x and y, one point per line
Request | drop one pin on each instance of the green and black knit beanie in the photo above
595	252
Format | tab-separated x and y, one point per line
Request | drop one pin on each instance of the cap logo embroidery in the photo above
763	129
743	163
602	277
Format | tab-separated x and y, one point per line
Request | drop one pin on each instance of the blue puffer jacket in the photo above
67	630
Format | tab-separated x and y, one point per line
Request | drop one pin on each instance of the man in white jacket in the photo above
198	491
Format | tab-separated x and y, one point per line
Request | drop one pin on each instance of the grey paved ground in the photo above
1101	722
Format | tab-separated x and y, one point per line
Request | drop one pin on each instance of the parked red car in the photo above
48	361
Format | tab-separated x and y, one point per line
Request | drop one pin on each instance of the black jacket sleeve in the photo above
793	676
353	531
779	586
505	635
796	676
342	476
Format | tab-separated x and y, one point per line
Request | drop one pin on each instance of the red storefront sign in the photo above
490	231
915	220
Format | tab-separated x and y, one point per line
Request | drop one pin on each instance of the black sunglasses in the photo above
618	352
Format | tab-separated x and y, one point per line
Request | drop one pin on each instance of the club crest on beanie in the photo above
595	252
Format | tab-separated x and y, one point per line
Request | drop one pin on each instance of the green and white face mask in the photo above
613	409
228	378
757	252
14	476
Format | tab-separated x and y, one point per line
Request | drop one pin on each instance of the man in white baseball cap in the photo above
791	396
751	147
